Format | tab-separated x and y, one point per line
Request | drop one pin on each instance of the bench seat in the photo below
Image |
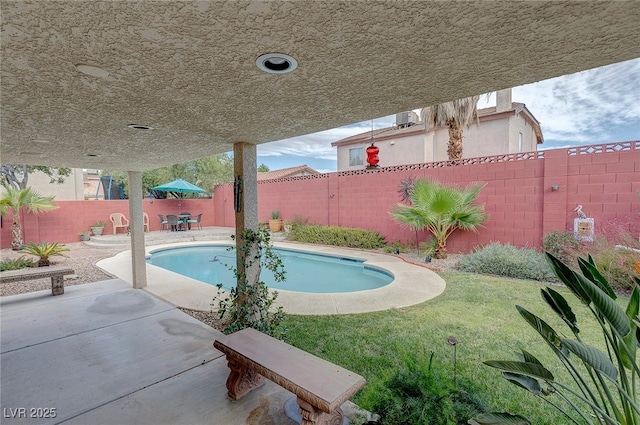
56	274
321	387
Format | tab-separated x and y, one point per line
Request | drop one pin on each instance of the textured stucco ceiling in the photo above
187	68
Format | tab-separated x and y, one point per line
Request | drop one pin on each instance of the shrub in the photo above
562	245
337	236
397	245
15	264
617	265
508	260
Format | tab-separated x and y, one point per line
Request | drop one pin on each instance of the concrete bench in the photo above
55	273
320	386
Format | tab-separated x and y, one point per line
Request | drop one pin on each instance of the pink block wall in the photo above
522	206
72	217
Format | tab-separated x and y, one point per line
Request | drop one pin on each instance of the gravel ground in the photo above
80	258
83	259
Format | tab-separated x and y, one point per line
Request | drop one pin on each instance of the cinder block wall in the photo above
518	195
522	206
72	217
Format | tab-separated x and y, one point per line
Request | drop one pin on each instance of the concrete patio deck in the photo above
104	353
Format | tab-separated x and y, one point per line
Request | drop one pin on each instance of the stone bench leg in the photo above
242	380
57	285
313	416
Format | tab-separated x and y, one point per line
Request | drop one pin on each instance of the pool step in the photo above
162	237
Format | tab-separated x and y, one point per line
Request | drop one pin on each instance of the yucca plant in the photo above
604	387
44	250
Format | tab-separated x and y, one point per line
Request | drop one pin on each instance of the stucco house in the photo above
508	127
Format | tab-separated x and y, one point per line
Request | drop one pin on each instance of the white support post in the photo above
138	263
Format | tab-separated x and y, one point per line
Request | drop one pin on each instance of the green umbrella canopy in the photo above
180	186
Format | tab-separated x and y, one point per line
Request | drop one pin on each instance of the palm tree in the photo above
457	115
441	210
15	200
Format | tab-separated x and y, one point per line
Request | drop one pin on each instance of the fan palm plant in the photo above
14	201
440	209
456	115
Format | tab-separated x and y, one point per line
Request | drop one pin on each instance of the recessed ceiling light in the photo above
94	71
140	127
276	63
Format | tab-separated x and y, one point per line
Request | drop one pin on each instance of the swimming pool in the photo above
305	272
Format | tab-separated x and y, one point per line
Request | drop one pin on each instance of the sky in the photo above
600	105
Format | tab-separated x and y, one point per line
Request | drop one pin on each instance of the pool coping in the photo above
412	284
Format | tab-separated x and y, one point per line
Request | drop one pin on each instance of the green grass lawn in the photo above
479	311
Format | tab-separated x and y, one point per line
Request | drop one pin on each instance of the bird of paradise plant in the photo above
605	382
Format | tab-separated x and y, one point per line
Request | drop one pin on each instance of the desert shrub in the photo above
338	236
508	260
562	245
299	220
15	264
421	392
397	245
617	265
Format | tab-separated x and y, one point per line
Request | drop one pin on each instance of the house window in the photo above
356	156
519	141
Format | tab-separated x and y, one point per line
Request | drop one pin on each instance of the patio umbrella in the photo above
178	188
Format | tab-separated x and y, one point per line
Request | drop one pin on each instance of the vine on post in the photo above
250	305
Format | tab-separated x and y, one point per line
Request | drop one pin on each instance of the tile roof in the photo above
300	170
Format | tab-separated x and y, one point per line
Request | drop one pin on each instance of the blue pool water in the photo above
305	272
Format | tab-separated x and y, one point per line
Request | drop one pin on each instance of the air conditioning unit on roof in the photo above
406	119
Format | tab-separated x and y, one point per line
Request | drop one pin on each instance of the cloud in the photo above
318	145
587	107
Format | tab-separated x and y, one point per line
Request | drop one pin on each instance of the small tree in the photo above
15	200
440	209
17	175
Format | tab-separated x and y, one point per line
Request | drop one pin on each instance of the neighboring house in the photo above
78	186
301	170
509	127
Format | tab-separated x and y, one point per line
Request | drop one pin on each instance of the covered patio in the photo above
104	353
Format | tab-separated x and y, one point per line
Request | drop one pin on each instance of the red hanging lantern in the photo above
372	156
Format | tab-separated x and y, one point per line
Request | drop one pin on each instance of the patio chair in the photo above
174	222
145	221
119	221
163	223
196	221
